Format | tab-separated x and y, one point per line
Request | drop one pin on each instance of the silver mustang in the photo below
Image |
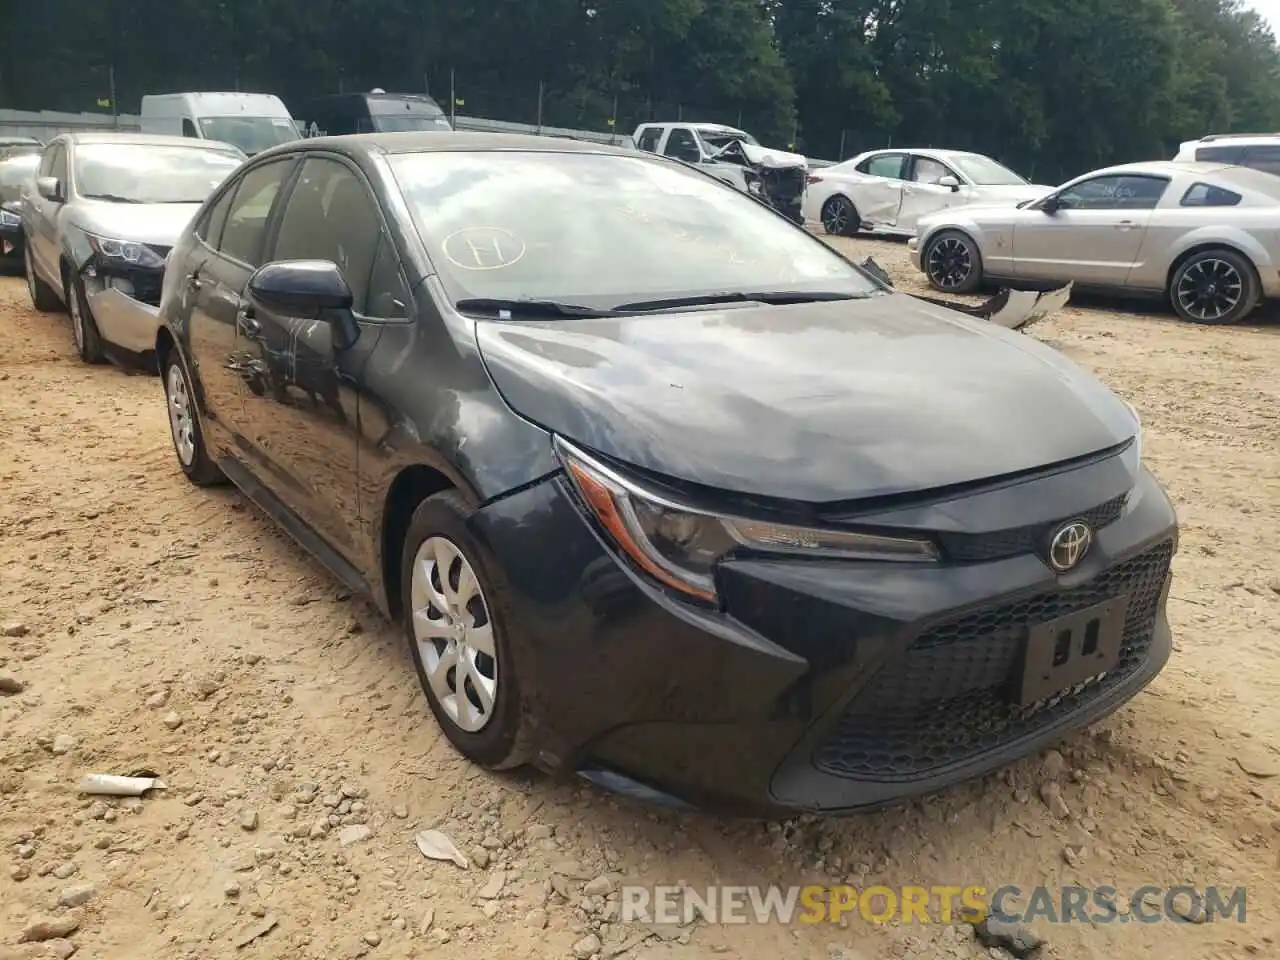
1205	235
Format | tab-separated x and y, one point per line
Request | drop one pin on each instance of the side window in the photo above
682	145
1115	192
1265	158
388	296
59	168
46	161
887	165
1220	154
1207	195
210	227
247	215
330	215
188	128
929	171
649	139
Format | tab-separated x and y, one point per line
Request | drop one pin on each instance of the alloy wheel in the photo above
950	262
1209	289
181	422
77	321
835	216
454	633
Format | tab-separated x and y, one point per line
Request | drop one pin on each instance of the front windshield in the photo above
150	173
604	230
718	140
985	172
14	172
250	134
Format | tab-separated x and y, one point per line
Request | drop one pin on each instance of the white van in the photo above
1261	151
251	121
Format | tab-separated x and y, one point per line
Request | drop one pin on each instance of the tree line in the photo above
1051	87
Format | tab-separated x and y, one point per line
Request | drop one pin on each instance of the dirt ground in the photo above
148	625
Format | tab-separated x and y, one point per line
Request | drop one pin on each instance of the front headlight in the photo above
125	252
680	545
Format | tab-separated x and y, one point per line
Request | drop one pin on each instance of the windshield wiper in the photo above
110	197
511	309
775	297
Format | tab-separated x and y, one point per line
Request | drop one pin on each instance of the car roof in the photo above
445	141
1241	178
143	139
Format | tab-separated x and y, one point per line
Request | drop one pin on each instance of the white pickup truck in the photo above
733	156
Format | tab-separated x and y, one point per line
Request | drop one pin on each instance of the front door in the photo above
234	231
301	416
44	241
1093	237
922	194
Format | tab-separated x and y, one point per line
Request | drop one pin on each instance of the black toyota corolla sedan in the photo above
663	491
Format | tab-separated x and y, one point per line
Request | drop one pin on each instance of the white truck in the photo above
734	157
251	121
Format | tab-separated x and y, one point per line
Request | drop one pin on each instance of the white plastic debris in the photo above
434	845
107	785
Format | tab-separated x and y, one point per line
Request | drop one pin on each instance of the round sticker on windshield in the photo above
483	248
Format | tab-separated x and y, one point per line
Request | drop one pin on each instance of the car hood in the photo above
758	155
819	402
1013	193
155	223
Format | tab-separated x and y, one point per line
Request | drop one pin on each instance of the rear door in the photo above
877	192
214	288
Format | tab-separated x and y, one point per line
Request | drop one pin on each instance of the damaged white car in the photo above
888	191
733	156
99	220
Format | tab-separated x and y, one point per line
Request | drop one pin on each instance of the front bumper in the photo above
913	251
832	687
125	304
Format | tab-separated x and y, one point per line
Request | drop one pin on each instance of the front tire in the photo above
452	593
43	296
840	217
952	263
83	327
184	424
1215	287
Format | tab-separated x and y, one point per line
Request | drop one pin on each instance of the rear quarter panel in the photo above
1173	230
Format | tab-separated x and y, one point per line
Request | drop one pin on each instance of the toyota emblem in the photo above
1069	544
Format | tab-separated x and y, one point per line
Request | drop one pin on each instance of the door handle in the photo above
1125	225
247	322
194	282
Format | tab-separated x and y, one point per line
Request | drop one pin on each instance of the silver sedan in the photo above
1204	235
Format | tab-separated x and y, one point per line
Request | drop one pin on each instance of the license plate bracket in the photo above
1069	650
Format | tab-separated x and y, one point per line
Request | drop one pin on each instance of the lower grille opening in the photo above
947	699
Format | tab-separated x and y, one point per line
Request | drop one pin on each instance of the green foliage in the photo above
1052	87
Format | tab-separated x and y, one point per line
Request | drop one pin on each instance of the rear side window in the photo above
887	165
1222	154
210	227
189	128
1265	158
247	216
1207	195
649	139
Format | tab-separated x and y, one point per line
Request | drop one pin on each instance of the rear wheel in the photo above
184	424
1215	287
43	297
83	327
952	262
840	217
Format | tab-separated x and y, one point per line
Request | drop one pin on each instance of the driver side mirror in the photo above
51	189
308	288
951	182
1051	205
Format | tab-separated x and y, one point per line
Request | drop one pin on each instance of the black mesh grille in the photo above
980	547
946	700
